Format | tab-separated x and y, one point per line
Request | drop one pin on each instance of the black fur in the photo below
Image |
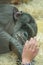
24	28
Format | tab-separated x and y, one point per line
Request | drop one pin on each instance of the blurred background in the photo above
35	8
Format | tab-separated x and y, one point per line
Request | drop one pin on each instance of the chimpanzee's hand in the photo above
30	50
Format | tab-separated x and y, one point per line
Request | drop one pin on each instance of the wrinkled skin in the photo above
15	28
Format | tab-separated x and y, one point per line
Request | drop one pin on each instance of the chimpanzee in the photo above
15	28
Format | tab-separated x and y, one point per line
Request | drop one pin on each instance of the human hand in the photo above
30	50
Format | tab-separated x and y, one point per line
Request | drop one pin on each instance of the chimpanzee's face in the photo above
22	33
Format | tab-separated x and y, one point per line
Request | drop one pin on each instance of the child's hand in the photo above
30	50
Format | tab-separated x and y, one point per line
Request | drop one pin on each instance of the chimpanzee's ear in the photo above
15	10
16	14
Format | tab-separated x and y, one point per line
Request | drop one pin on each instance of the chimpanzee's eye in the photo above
25	34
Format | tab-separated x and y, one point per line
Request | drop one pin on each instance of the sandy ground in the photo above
35	8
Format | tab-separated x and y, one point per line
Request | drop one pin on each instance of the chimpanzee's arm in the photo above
4	34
